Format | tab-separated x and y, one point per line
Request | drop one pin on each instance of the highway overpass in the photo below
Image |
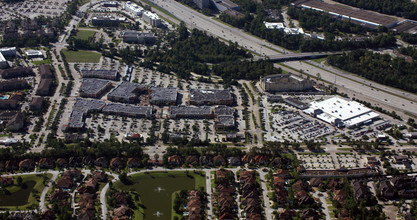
295	56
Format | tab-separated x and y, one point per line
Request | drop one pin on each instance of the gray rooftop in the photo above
136	34
88	104
209	95
114	108
76	119
81	108
225	120
127	90
93	86
223	110
99	73
190	110
164	94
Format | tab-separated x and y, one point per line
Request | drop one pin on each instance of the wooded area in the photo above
381	68
254	25
250	70
191	53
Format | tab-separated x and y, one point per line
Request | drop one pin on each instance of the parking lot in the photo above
316	161
31	9
348	160
291	124
102	126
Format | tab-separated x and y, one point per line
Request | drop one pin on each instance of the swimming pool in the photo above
4	97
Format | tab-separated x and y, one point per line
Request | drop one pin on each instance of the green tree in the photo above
183	32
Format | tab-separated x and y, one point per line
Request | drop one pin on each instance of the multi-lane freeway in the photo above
396	99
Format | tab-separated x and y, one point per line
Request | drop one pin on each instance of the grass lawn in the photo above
172	202
84	34
319	60
23	199
81	56
39	62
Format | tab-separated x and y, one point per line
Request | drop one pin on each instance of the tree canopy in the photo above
381	68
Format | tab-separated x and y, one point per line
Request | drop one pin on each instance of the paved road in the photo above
209	198
193	19
103	192
323	203
46	189
268	209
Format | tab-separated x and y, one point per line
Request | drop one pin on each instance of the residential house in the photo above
86	214
234	161
6	181
66	182
72	173
101	162
99	175
262	160
299	186
310	214
361	191
282	173
192	160
205	160
276	162
11	165
62	162
316	182
48	215
340	196
117	163
175	160
134	162
286	214
46	163
386	189
27	164
219	160
58	195
248	159
86	201
123	212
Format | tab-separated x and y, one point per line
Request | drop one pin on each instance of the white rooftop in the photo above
33	53
151	15
5	49
350	112
274	25
2	59
133	7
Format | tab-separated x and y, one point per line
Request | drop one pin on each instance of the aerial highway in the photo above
397	99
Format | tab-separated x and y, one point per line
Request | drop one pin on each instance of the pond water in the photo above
156	192
17	198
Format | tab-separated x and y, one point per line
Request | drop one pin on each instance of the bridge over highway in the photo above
296	56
